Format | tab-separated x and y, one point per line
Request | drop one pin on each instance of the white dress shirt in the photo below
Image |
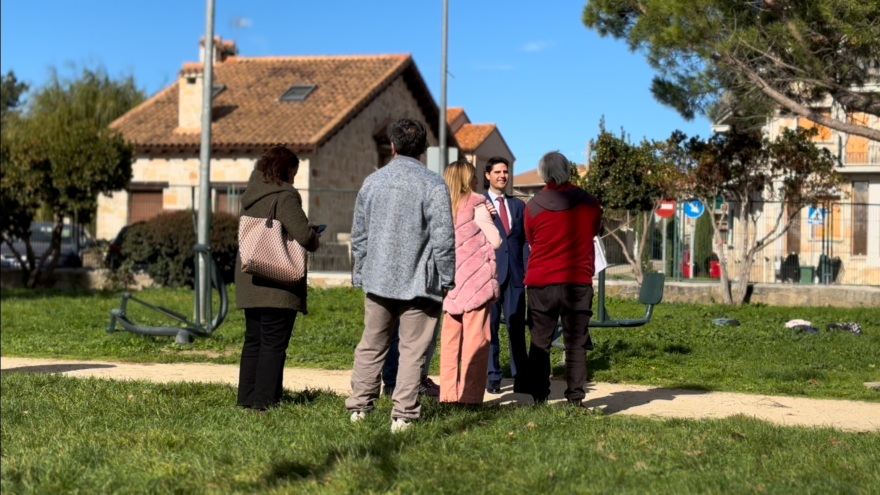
494	198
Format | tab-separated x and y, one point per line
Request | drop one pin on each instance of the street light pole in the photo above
203	292
444	155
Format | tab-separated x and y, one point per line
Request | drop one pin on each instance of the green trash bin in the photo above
806	274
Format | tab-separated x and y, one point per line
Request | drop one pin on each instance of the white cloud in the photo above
536	46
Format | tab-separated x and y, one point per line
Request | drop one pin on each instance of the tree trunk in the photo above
38	274
724	280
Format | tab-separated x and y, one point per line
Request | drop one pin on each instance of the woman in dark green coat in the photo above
270	308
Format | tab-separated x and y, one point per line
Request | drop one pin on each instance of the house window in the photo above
228	199
297	92
823	133
857	146
144	205
860	218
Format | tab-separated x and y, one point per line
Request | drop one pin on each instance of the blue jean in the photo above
389	369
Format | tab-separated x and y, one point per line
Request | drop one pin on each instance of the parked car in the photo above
73	241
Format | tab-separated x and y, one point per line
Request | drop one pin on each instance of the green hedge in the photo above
164	245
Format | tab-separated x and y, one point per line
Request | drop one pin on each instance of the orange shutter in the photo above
832	221
857	146
824	133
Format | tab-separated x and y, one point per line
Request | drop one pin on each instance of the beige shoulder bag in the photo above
269	252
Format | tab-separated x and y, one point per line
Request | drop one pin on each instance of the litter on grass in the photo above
797	323
847	326
725	322
805	329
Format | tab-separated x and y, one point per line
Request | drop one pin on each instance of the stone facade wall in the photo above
340	166
112	214
181	173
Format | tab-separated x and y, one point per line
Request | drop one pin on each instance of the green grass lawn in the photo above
62	434
679	348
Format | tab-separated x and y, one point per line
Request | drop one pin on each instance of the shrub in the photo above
165	246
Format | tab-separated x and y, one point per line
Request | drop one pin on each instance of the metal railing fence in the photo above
835	242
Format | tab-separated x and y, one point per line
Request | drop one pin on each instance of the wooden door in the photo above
144	205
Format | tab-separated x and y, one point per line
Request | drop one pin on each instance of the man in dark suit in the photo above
510	259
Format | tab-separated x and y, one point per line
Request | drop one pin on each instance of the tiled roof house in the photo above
333	111
478	143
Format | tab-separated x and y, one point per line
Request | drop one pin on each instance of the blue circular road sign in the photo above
693	208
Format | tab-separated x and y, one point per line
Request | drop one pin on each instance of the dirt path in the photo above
637	400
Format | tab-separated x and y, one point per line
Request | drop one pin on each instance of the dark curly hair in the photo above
409	137
278	165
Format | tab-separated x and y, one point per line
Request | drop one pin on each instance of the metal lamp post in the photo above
203	234
444	155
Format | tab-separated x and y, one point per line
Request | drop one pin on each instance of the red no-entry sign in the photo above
666	209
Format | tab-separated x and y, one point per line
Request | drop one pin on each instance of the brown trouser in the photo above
574	303
464	355
417	320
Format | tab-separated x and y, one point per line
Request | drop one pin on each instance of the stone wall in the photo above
181	173
340	166
839	296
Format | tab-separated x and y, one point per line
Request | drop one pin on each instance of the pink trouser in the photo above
464	356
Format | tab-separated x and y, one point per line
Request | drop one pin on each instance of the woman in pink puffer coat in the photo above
465	336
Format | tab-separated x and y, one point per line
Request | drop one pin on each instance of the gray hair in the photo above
554	167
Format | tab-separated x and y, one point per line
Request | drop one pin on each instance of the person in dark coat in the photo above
270	308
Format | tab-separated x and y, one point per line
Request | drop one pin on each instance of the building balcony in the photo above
871	157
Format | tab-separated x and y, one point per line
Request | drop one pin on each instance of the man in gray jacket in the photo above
403	243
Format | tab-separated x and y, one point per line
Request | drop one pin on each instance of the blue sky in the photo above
531	67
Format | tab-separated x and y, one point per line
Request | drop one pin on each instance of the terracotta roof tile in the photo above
529	178
453	113
248	113
470	136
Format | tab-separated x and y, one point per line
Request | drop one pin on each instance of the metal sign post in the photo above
693	208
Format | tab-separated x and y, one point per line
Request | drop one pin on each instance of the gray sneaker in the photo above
358	416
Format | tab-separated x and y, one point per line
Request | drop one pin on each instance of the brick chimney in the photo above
222	49
189	106
190	85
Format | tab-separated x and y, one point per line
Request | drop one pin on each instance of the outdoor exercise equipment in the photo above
651	294
188	329
207	275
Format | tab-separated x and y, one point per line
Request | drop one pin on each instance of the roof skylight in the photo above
297	92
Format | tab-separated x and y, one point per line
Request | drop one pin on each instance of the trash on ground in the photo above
805	329
725	322
797	323
847	326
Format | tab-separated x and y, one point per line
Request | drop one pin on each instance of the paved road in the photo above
638	400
